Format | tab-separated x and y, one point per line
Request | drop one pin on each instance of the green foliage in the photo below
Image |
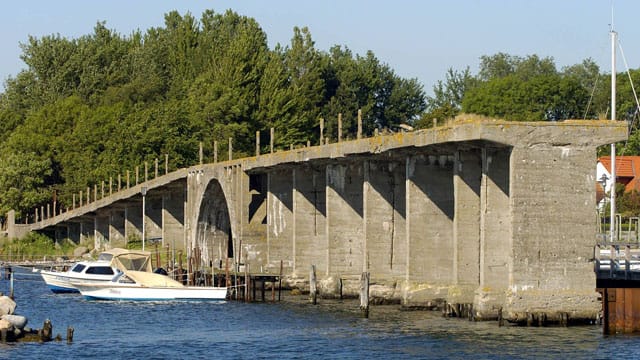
446	101
23	182
90	108
34	246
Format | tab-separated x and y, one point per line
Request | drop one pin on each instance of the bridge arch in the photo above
213	229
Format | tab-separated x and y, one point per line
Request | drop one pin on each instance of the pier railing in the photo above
619	261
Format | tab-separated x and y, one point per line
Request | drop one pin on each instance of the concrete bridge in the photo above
497	214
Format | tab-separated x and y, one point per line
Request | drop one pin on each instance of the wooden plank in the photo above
618	320
628	309
634	313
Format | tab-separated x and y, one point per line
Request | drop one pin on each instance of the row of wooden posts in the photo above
363	295
84	197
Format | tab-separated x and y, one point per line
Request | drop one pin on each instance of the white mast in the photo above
612	188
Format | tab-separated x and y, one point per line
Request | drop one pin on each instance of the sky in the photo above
417	38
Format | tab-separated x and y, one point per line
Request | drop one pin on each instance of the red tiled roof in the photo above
627	168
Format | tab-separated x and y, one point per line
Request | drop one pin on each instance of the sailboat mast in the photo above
612	189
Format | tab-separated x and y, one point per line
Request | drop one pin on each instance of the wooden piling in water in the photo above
247	298
11	285
70	335
313	290
280	282
364	294
46	331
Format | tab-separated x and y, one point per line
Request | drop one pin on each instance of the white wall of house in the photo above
603	176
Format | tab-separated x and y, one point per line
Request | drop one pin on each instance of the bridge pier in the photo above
117	230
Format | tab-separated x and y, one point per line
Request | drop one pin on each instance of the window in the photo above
100	270
78	268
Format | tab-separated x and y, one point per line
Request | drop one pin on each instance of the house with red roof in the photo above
627	173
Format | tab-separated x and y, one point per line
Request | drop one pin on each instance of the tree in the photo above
22	182
93	107
446	101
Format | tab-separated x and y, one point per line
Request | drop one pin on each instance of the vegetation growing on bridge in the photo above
90	108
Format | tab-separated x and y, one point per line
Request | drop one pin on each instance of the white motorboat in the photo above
109	264
146	286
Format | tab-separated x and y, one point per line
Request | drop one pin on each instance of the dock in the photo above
617	268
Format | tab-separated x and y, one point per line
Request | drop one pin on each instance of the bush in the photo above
34	246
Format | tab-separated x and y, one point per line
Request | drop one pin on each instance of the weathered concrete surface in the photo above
495	233
430	208
490	213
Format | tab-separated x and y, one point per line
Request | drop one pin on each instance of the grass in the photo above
34	247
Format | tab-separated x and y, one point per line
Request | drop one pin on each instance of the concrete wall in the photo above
116	228
309	221
552	192
344	225
430	210
173	204
384	230
280	226
495	233
153	212
467	177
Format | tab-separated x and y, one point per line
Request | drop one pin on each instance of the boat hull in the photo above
61	282
138	293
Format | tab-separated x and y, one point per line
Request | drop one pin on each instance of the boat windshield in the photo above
105	256
78	268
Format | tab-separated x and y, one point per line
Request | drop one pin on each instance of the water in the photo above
287	330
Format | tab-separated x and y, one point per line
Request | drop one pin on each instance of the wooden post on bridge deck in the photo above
257	143
359	124
215	152
200	153
271	139
230	149
321	131
339	127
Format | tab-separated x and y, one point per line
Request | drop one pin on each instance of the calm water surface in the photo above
286	330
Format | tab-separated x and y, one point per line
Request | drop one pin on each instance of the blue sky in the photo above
417	38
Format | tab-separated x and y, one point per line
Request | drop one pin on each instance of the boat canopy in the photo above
149	279
125	259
